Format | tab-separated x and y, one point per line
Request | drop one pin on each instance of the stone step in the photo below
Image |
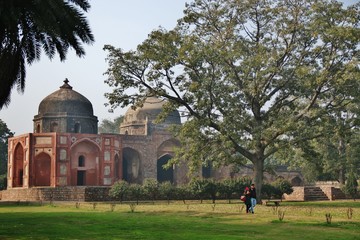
314	194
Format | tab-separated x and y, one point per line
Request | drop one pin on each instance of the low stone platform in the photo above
75	193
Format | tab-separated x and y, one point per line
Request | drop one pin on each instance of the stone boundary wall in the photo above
297	195
87	194
331	192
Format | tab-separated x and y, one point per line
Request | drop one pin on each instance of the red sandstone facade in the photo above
64	159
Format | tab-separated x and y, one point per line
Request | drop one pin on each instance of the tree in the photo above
26	27
111	126
351	186
5	133
252	77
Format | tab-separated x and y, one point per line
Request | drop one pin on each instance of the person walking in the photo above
247	199
252	197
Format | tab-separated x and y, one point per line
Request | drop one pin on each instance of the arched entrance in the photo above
18	168
167	174
85	164
117	167
296	181
131	166
42	170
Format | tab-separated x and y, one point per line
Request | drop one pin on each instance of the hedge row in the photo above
197	189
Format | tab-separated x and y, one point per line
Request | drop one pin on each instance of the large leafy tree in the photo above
27	27
252	77
5	133
111	126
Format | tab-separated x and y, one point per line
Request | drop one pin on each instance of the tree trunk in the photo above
258	177
341	152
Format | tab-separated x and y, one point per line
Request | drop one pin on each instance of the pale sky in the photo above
121	23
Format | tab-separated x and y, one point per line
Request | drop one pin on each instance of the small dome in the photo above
66	100
151	109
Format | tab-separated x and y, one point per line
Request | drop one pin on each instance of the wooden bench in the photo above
272	202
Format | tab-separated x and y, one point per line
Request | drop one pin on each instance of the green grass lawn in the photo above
179	221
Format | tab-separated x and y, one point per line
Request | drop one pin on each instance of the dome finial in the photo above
66	84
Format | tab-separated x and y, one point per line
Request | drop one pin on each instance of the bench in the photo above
272	202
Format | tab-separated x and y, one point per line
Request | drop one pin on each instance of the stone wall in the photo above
333	193
297	195
88	194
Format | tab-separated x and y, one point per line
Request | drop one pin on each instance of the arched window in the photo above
38	128
54	127
81	162
77	127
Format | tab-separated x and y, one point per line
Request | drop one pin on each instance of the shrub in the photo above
166	190
282	186
119	190
135	191
351	186
151	188
182	192
198	187
227	188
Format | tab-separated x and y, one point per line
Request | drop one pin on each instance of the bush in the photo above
227	188
351	186
268	191
166	190
183	193
135	192
119	190
198	187
151	188
282	186
240	184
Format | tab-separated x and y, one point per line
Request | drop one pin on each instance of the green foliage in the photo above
198	187
183	192
351	186
227	188
119	190
252	77
282	186
135	191
5	133
151	188
28	27
111	126
3	181
268	191
167	190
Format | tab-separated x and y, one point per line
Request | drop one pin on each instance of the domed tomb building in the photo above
65	148
66	111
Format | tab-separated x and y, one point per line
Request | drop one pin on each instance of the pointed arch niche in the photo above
85	164
42	170
117	168
18	166
131	165
164	174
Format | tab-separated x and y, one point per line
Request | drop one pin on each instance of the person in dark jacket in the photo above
247	199
252	197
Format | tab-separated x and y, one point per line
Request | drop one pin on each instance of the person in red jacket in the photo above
247	199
